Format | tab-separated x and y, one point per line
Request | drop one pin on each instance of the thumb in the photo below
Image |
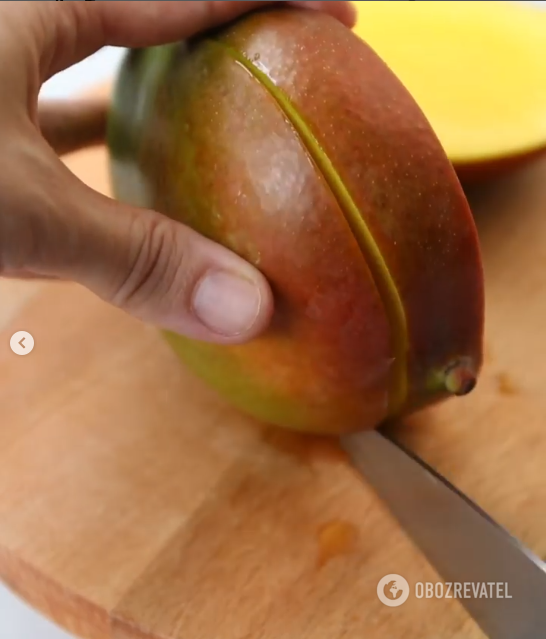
167	274
156	269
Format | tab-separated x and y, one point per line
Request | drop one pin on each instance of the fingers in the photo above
151	267
131	25
345	12
27	275
72	125
69	126
76	30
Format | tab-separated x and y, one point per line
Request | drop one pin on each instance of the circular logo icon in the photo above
393	590
21	343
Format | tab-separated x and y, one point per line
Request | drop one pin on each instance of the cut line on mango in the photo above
477	70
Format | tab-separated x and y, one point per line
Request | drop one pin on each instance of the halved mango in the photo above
476	69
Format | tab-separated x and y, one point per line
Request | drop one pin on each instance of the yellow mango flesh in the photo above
477	69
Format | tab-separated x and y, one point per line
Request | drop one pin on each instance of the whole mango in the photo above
285	138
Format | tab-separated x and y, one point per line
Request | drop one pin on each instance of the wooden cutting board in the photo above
134	504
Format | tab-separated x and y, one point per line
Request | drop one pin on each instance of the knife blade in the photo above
460	540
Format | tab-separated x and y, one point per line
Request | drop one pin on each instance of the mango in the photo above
477	70
284	137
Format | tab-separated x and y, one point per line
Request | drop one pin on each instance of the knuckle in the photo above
152	266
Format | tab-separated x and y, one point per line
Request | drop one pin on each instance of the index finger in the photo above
87	27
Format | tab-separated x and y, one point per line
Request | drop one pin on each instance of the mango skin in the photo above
195	135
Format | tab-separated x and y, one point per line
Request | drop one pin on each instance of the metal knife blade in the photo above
462	542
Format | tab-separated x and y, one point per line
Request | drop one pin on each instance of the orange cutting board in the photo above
135	504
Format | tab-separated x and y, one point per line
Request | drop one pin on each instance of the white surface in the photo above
93	70
17	620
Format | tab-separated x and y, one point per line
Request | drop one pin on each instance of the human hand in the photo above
53	225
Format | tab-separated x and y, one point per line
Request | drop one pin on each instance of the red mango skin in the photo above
197	137
247	182
397	172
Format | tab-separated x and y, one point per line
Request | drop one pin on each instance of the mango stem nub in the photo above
459	378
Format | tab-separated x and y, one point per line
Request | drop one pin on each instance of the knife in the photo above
462	542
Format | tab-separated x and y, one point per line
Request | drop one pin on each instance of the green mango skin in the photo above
195	134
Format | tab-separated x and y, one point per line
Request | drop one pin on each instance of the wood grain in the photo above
134	504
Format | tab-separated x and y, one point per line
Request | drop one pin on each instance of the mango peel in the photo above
284	137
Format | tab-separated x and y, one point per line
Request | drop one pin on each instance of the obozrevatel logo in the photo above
393	590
